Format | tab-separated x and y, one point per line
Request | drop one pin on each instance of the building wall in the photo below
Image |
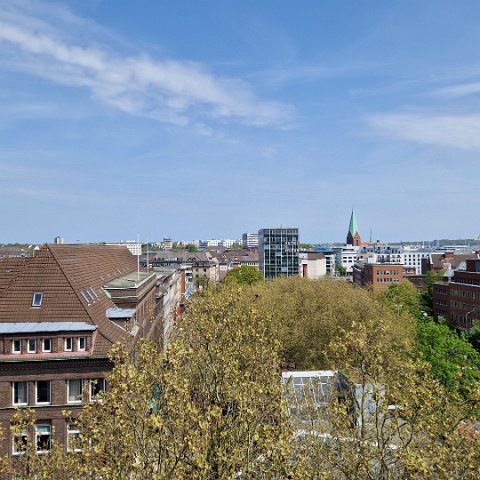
459	299
58	374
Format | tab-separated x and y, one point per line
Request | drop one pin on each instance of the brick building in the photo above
378	275
459	298
60	313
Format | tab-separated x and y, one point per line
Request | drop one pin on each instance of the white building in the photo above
134	247
250	240
227	243
346	256
312	265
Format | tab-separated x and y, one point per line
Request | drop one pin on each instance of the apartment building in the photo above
60	314
458	299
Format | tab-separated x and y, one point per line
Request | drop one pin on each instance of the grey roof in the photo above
120	312
44	327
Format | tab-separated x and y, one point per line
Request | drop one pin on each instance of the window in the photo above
20	393
73	438
42	392
97	385
43	437
16	346
74	391
32	345
19	443
46	345
37	299
68	344
82	343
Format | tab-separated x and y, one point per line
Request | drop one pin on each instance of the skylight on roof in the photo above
37	299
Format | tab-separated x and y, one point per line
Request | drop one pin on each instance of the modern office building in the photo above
278	252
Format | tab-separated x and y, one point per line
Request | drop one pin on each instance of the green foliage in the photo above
453	360
191	248
402	298
211	405
245	275
311	316
455	363
430	279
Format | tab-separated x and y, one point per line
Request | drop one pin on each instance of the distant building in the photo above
250	240
278	252
58	240
378	275
13	252
313	265
134	247
167	243
345	257
458	299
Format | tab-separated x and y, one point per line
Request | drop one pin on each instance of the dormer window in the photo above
37	299
82	343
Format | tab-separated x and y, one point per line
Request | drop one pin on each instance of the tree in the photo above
192	248
244	275
455	363
211	405
430	278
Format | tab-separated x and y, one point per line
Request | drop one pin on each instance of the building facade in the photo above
250	240
278	252
59	317
458	300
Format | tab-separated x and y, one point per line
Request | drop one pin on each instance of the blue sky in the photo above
207	119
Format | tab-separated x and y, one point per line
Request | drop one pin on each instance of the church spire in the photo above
353	237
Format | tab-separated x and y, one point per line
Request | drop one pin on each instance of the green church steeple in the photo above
353	236
353	228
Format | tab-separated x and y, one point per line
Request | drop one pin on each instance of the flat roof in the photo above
44	327
130	280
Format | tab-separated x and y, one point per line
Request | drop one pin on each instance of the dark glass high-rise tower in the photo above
278	252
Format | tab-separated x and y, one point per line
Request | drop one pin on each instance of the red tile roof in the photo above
64	274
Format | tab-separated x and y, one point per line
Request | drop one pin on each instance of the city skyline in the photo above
201	118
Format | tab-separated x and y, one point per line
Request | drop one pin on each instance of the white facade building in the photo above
250	240
346	256
134	247
312	265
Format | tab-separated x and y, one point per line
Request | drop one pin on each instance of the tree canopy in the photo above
212	406
244	275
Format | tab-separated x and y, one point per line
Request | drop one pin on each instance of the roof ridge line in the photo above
77	294
16	276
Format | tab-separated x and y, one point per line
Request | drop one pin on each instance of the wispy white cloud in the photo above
168	90
459	90
457	131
